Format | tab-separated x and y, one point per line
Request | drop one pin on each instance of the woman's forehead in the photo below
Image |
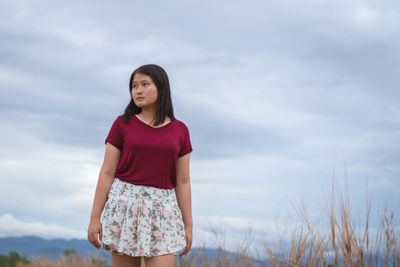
139	77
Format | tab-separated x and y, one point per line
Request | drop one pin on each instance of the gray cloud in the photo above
273	93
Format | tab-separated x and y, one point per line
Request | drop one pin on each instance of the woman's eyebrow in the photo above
144	80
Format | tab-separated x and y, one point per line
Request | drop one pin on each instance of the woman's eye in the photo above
146	84
134	86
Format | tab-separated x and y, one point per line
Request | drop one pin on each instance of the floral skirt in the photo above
141	220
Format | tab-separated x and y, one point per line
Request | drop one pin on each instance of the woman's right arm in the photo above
106	178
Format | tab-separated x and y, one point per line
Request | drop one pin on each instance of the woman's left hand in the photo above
188	233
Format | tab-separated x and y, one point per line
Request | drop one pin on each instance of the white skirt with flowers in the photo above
141	220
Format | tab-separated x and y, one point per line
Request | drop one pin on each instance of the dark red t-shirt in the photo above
148	154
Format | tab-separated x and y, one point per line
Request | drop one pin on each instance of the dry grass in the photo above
75	260
340	243
343	243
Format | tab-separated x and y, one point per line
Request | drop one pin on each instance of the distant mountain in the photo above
33	247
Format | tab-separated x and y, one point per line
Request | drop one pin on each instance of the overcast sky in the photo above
279	97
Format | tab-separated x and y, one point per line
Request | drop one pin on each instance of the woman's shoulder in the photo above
180	123
121	120
181	126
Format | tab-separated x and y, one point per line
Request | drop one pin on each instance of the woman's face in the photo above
144	91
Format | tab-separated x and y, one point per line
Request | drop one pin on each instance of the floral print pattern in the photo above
141	220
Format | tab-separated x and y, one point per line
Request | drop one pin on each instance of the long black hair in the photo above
164	101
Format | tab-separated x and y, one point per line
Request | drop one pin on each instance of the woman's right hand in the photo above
95	232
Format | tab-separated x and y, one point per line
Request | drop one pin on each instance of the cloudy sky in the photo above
280	97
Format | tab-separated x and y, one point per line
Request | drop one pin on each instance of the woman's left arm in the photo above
184	198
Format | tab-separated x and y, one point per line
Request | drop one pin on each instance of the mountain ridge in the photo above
33	247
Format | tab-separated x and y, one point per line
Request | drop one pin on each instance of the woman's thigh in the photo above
125	261
167	260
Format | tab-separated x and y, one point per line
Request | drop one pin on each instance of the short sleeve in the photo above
115	136
186	144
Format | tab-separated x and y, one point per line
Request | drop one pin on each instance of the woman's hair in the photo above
164	102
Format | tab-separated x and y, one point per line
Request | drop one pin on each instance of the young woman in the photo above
142	204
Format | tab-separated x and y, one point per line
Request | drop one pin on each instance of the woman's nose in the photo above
139	89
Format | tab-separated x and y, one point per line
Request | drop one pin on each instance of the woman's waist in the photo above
146	192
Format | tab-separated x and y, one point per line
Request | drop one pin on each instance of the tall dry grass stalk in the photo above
339	243
344	243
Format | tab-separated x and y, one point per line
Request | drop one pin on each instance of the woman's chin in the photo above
140	105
